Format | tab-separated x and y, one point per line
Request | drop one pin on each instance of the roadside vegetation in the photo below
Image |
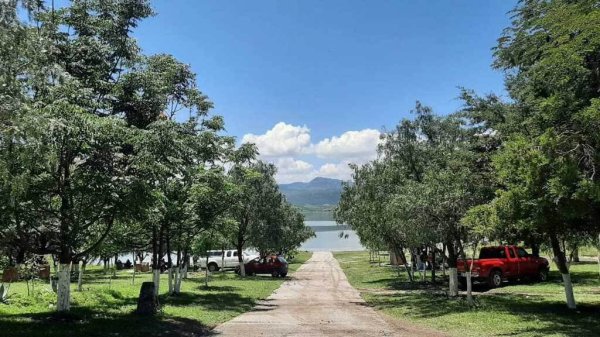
516	170
105	307
106	151
523	309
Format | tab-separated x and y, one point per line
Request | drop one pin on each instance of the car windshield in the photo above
281	259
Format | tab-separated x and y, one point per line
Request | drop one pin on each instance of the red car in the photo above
277	266
496	264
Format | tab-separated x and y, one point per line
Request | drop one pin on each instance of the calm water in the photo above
329	239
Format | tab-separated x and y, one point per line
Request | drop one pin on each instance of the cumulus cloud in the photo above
335	170
282	140
283	143
359	145
291	170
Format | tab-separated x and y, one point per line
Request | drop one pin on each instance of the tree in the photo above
547	166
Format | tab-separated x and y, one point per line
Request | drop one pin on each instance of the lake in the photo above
328	238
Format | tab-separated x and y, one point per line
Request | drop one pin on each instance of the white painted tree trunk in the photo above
156	280
223	261
470	290
453	282
80	276
63	302
242	269
178	278
569	291
170	273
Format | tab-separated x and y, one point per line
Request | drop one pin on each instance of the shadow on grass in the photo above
213	301
91	323
556	317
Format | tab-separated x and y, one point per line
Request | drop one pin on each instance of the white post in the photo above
63	302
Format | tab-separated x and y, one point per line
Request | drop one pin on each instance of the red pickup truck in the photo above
496	264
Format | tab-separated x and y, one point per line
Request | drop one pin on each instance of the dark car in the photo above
277	266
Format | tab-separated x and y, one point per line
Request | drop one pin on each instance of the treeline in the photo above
517	170
105	150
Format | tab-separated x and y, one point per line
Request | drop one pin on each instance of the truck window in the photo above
511	252
522	252
234	253
229	254
492	253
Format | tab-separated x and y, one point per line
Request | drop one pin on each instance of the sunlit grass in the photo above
105	307
526	309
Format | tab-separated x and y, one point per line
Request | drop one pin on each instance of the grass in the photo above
528	309
105	307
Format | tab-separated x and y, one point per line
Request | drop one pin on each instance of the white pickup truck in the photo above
217	261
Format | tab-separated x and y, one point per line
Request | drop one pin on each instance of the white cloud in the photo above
283	140
336	171
292	170
358	146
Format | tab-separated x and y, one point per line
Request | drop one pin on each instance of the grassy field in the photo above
105	307
527	309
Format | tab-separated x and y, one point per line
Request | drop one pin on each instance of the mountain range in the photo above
317	192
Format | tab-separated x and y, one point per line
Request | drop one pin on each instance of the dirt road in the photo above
317	301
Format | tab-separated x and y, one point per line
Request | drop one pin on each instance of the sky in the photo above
313	83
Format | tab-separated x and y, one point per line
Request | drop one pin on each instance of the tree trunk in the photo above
170	280
134	268
561	262
206	271
452	272
63	302
156	280
576	254
80	276
469	280
178	276
223	260
433	265
241	261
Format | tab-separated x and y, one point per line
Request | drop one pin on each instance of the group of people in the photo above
120	265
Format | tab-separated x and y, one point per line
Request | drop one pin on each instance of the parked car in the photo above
275	265
216	260
500	263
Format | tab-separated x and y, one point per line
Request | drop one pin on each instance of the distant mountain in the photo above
319	191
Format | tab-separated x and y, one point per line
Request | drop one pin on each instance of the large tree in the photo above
547	165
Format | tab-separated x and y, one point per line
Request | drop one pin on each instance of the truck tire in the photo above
542	275
495	279
213	267
462	283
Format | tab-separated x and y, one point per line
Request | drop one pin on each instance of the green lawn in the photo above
105	306
513	310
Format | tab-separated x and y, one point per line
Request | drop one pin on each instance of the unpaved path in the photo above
317	301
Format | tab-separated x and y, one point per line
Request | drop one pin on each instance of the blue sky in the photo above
331	73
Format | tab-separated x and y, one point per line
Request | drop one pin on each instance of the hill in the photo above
319	191
316	198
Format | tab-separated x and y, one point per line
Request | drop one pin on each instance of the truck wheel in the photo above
283	275
542	275
275	274
212	267
495	279
462	283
